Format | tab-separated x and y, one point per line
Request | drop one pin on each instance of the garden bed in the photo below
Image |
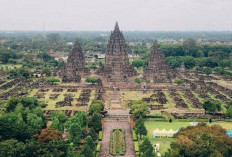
117	142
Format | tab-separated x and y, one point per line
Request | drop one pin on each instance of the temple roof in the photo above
116	42
76	56
77	48
156	58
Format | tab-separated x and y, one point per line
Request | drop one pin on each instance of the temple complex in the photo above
117	67
74	69
157	71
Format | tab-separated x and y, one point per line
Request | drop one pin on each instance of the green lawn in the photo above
164	144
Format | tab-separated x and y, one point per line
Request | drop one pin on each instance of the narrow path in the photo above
117	119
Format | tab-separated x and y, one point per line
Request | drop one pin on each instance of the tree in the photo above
138	63
89	141
189	62
95	122
91	80
207	70
229	111
51	148
93	134
212	106
58	120
174	62
218	55
34	123
148	153
146	147
189	47
83	118
53	37
141	130
13	126
11	104
75	133
139	109
30	102
52	80
138	122
45	57
12	147
86	151
46	71
48	135
96	107
201	140
178	82
138	81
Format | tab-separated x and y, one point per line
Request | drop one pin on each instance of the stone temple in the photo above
74	69
117	67
157	71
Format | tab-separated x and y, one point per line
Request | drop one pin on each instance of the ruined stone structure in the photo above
117	67
157	70
74	69
182	68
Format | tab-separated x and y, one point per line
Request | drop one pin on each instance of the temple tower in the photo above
157	70
117	67
75	66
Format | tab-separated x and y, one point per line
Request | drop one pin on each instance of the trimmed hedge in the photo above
134	136
98	148
136	144
100	136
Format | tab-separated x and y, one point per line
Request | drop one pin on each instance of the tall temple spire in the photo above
77	56
116	27
117	67
75	66
155	47
77	48
157	70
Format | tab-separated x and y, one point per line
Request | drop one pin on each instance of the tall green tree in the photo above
86	151
141	130
190	47
95	122
75	133
89	141
146	147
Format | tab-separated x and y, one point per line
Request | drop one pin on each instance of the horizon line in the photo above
112	30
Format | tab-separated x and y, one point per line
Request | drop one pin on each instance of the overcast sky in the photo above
149	15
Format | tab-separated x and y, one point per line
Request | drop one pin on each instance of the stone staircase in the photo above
115	99
118	118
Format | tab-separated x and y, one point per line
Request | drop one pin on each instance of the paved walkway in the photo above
117	119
